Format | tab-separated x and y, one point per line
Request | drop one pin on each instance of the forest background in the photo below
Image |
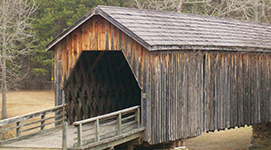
54	16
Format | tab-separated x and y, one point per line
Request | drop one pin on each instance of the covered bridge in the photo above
190	74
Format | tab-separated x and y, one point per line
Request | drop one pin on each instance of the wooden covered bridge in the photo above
176	75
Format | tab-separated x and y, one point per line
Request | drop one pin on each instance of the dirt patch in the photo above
234	139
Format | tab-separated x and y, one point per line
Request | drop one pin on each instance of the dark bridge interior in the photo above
101	82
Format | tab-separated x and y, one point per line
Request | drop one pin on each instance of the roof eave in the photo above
209	48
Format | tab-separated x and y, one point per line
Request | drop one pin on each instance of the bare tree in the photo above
251	10
169	5
16	38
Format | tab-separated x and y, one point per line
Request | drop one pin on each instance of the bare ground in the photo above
234	139
22	102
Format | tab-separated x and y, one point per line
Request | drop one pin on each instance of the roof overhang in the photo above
96	11
167	47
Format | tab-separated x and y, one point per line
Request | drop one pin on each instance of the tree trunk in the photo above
4	85
256	11
179	8
4	82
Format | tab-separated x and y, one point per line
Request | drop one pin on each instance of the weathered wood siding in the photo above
176	95
237	90
194	92
183	93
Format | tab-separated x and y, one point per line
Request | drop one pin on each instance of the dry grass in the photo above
234	139
22	102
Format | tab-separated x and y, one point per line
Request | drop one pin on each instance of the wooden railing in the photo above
106	126
21	127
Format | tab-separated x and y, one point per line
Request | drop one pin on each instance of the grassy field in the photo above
22	102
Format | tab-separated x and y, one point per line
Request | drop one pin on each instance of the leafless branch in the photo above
16	38
251	10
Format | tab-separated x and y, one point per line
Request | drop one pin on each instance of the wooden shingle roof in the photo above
158	30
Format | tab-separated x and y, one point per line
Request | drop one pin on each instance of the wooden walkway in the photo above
100	132
51	140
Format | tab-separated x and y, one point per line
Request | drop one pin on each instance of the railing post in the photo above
97	130
64	136
79	135
42	122
0	135
119	124
18	132
137	117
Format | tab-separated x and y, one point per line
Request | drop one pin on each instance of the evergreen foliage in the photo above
52	18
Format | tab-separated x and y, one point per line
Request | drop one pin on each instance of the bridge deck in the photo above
49	140
53	140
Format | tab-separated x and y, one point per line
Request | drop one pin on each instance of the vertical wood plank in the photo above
222	91
18	131
137	117
179	97
90	33
116	37
166	100
249	93
42	122
0	133
228	93
79	135
74	48
157	93
235	91
170	98
107	35
207	84
155	135
111	36
119	124
201	92
64	136
269	85
79	42
246	82
97	130
185	95
258	105
148	101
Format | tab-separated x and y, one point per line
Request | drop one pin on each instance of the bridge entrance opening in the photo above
101	82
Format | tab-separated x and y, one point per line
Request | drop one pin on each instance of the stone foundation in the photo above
261	137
